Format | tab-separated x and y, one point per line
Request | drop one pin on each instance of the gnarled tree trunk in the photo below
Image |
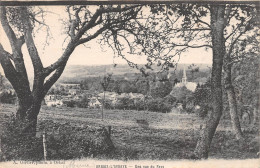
29	122
217	29
29	107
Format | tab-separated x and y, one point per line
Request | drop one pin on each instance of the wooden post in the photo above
44	145
0	146
103	105
109	131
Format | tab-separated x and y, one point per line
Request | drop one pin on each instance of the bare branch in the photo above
239	35
192	46
9	70
233	32
37	63
48	84
98	13
15	43
7	28
201	21
98	32
78	36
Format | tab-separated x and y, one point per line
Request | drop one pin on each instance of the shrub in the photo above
72	143
139	105
83	102
70	103
170	99
108	104
69	143
160	89
17	146
7	97
203	111
158	105
125	103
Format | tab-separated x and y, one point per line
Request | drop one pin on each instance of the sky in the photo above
92	53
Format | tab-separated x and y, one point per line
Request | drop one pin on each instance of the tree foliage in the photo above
160	89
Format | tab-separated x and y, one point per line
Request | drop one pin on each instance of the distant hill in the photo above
79	72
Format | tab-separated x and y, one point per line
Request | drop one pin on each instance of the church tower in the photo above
184	78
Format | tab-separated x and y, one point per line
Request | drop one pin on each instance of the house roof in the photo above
189	85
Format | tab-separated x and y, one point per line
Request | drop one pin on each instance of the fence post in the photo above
109	131
0	145
44	145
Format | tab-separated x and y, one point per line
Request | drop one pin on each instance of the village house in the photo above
123	95
94	103
73	91
67	98
111	96
70	85
53	100
136	96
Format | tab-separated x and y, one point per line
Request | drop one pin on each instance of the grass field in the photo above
169	136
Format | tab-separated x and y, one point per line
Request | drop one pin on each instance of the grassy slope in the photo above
169	136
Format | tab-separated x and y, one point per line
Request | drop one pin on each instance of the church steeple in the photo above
184	78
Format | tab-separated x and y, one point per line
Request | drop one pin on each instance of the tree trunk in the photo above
24	103
232	99
28	122
218	43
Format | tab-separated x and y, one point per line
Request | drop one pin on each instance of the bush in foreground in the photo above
68	143
17	146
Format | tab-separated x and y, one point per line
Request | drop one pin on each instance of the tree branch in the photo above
240	34
192	46
5	61
97	14
77	39
48	84
233	43
72	44
16	45
7	28
201	21
233	32
9	70
98	32
36	61
63	59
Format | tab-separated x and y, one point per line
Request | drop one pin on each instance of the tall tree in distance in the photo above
193	68
104	83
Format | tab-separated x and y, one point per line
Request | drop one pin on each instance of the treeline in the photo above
163	105
136	83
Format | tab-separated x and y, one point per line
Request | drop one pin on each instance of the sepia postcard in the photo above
129	84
